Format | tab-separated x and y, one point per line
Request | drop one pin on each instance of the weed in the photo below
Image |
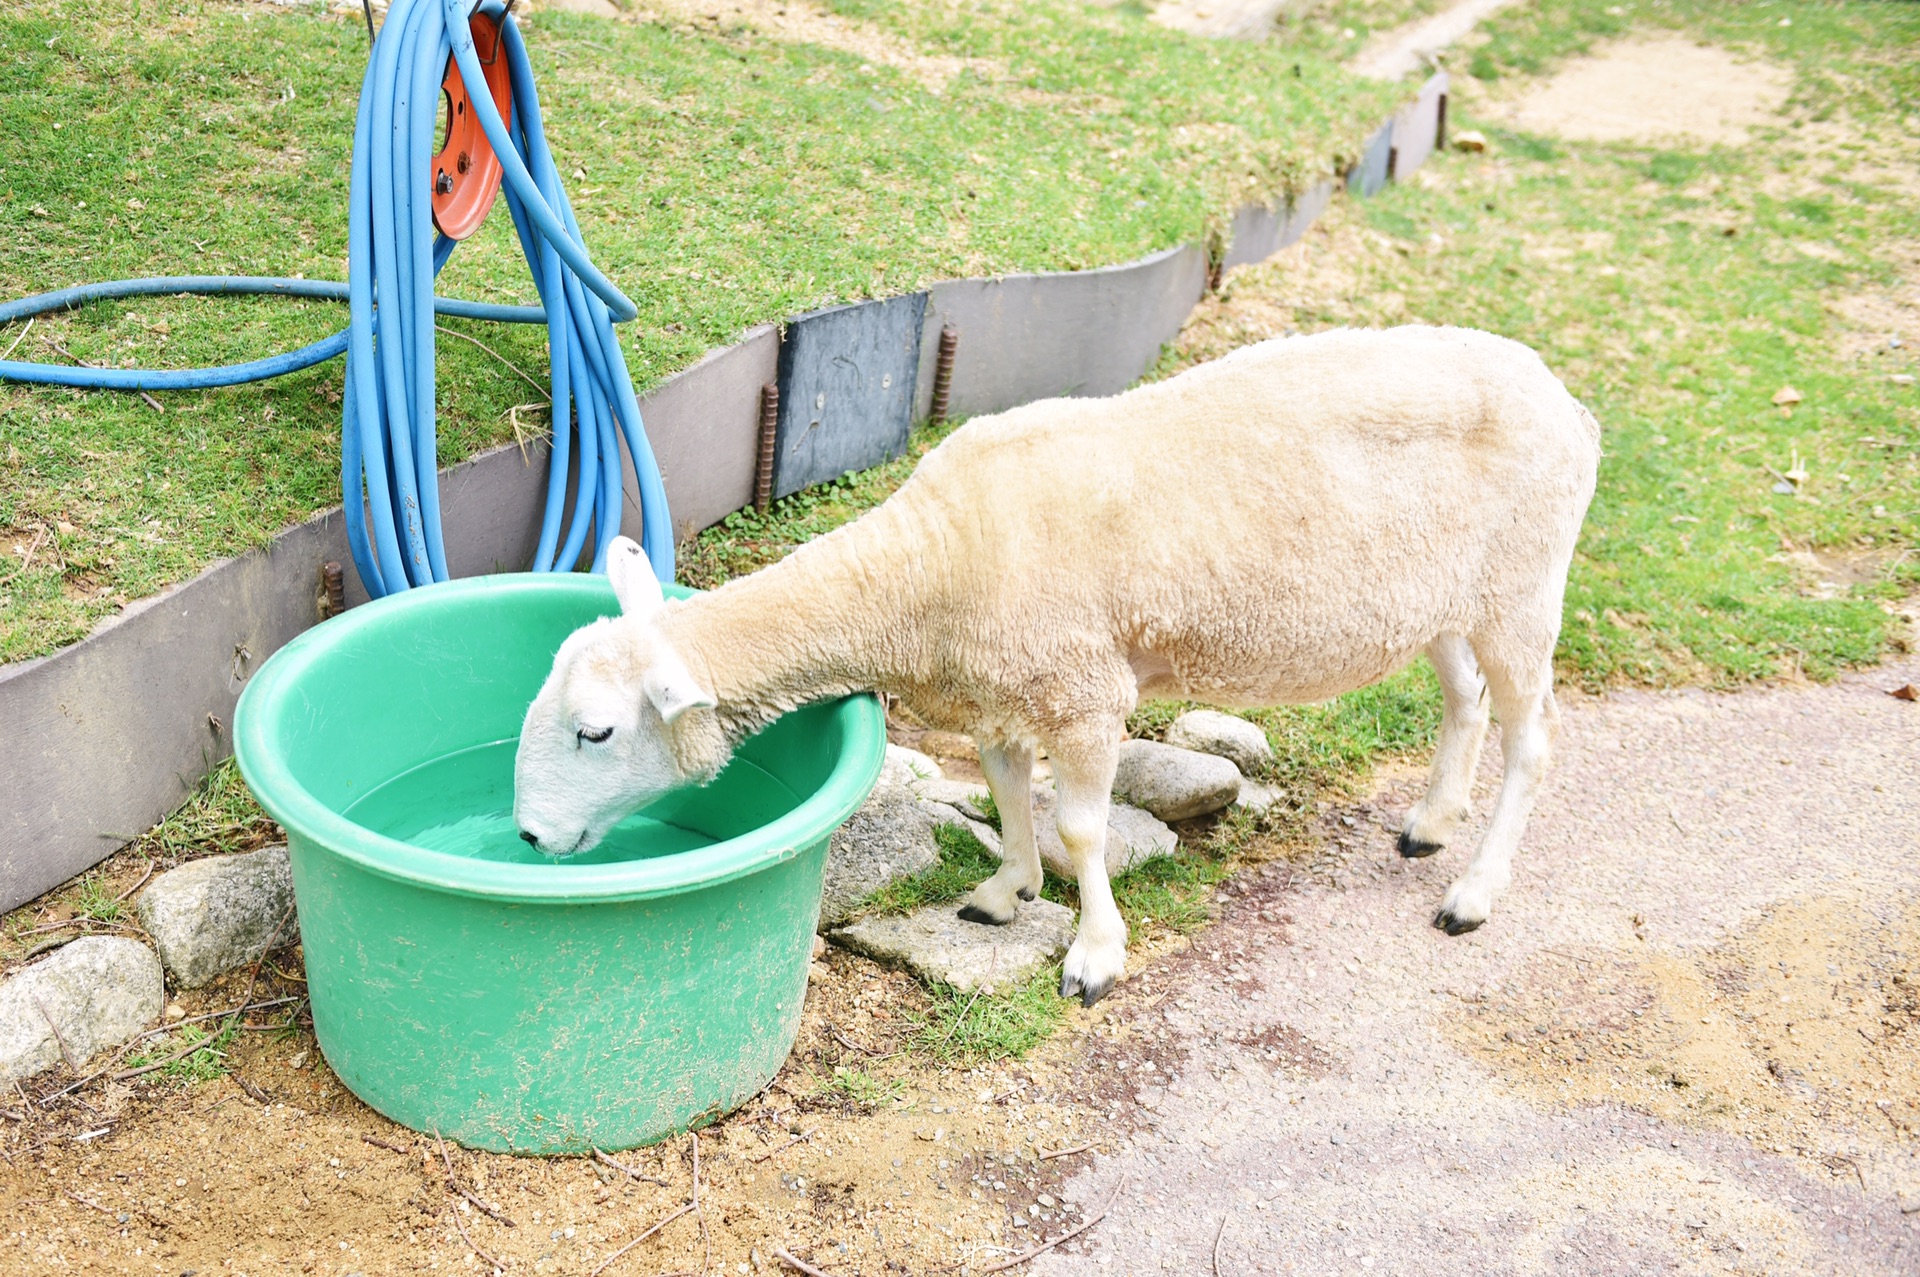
96	902
963	863
859	1088
220	815
201	1065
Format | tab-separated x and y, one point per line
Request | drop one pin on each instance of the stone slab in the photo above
846	389
94	993
938	945
1416	127
1082	333
212	915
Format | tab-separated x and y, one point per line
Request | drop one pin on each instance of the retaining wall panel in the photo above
1255	234
1369	174
704	425
847	384
1082	333
1304	210
1416	127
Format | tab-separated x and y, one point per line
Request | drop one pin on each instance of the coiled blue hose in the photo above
389	472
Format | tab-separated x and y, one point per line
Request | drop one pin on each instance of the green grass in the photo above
859	1089
962	1029
219	816
1676	291
722	177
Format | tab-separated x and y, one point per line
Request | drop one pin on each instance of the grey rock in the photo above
935	943
889	838
1212	732
210	916
1256	797
1174	783
969	797
1132	836
942	814
97	992
920	765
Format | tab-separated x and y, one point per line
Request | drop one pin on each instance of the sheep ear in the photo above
634	583
671	687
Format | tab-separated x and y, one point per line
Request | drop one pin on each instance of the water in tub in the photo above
462	803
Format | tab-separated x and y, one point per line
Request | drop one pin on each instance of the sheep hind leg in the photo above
1463	729
1522	691
1009	772
1083	781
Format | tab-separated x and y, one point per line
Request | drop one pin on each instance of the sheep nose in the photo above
532	840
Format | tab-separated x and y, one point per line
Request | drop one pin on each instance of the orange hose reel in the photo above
466	172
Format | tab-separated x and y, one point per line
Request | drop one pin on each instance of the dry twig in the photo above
772	1152
136	886
624	1169
1066	1152
91	1204
22	337
798	1265
151	401
377	1142
455	1212
608	1261
511	366
1218	1234
1069	1235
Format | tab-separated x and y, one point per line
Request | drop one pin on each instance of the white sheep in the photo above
1296	520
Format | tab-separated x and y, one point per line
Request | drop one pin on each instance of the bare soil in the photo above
1655	89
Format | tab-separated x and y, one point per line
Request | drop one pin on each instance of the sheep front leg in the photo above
1009	771
1098	957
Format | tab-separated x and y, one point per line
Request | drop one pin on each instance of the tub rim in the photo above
304	816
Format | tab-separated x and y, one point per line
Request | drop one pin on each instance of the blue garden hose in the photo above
389	473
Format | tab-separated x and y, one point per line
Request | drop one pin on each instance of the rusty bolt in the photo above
769	427
334	583
943	372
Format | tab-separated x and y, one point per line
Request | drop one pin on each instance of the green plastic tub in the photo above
464	984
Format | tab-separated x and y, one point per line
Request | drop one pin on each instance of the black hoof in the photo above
1070	987
1454	926
974	913
1415	850
1026	893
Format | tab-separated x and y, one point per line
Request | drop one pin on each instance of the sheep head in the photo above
619	722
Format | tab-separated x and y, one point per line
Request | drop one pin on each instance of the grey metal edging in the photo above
1370	173
704	426
1416	127
1028	337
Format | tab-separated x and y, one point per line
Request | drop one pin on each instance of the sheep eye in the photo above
595	737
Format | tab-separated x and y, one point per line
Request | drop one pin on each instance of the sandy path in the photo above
1418	1119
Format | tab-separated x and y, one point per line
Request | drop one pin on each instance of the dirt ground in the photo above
1688	1039
1655	89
